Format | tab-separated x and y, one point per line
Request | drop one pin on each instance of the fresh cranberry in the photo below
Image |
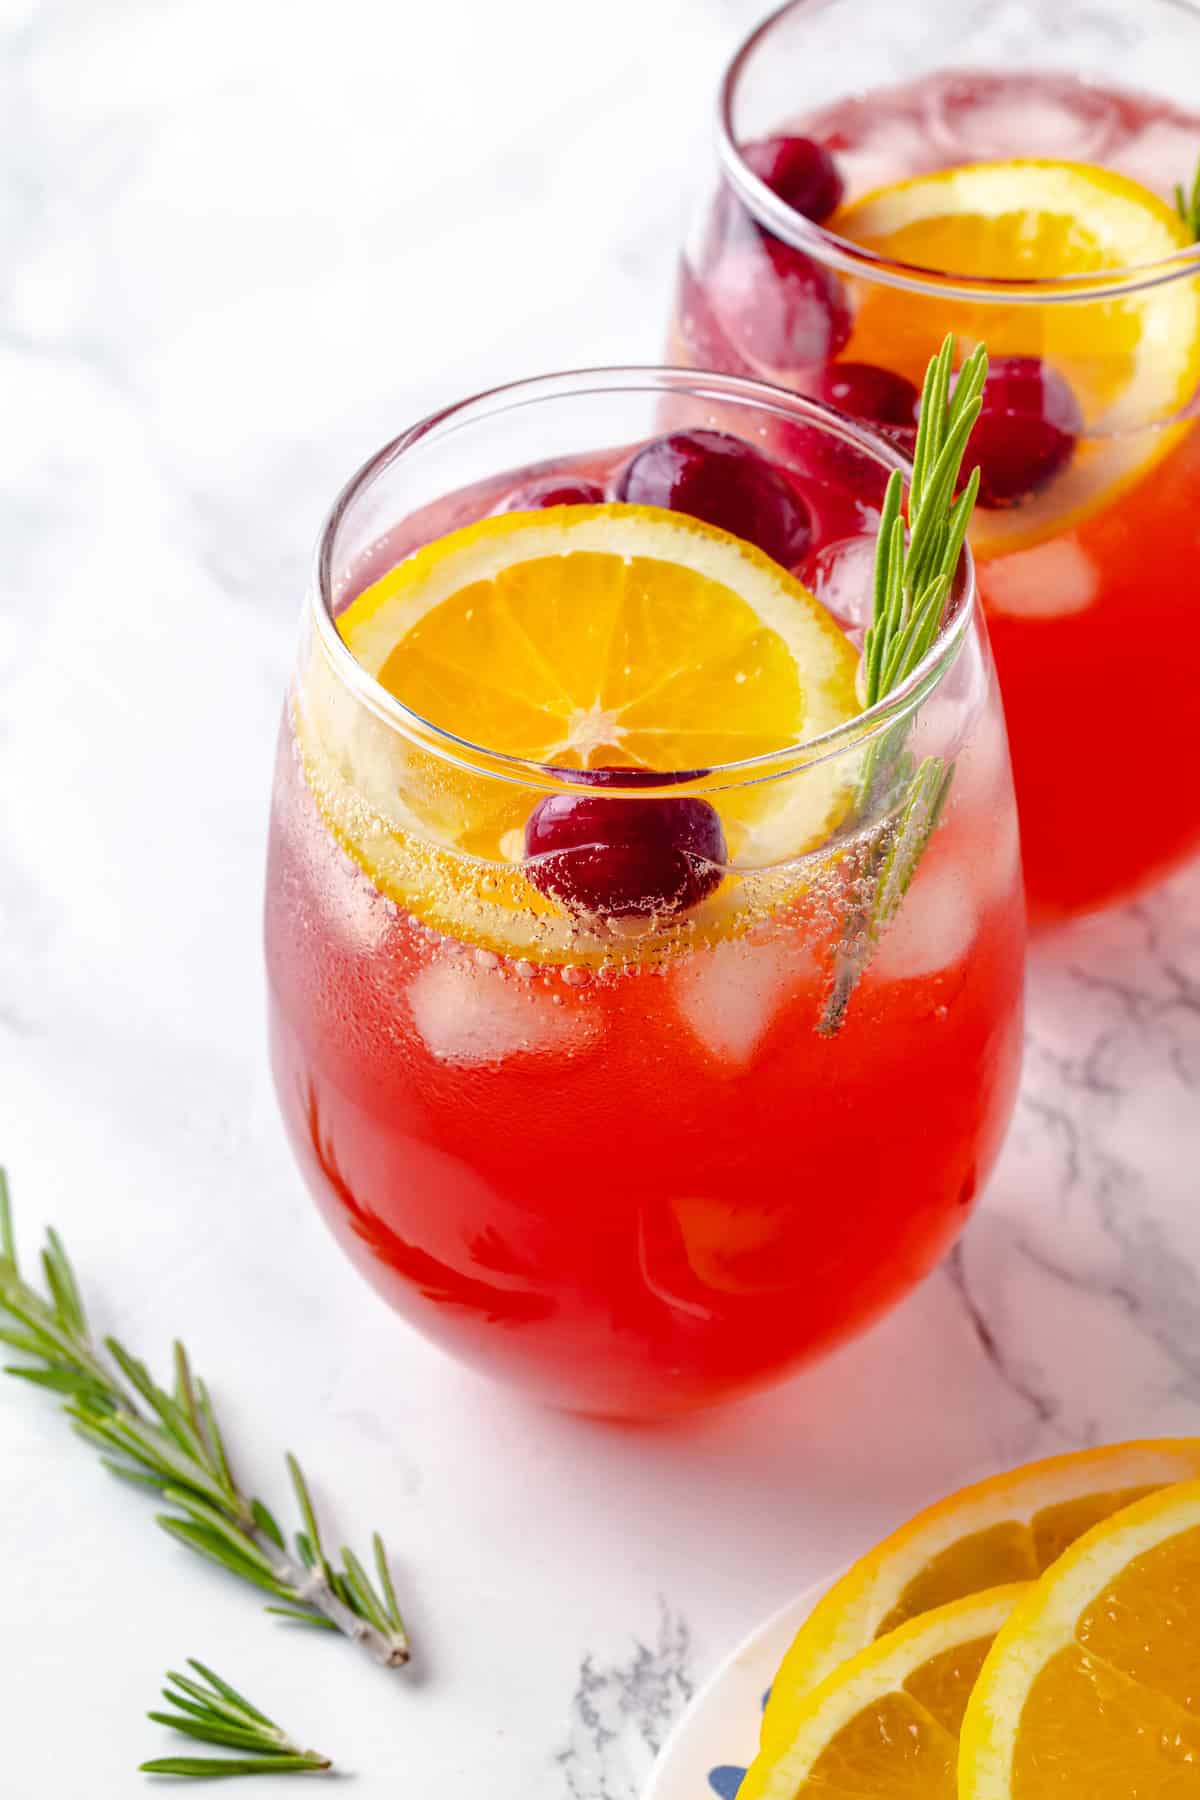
624	856
715	476
554	490
876	396
780	308
1026	432
840	486
800	171
848	503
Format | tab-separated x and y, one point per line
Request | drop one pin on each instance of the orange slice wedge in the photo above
580	636
1133	360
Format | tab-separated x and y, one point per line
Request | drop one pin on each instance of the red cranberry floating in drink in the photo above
876	396
800	171
554	490
841	486
719	478
620	856
1026	432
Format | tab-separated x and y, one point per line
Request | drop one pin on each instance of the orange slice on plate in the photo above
1009	1528
885	1724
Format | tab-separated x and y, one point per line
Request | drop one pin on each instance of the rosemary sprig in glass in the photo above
169	1442
207	1709
1187	204
914	570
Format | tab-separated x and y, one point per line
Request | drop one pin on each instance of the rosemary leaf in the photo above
267	1523
60	1381
359	1583
234	1737
179	1695
299	1617
312	1530
229	1694
8	1241
20	1340
220	1461
136	1477
208	1543
239	1542
1187	204
214	1768
384	1573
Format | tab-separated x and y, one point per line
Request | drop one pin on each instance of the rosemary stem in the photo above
390	1650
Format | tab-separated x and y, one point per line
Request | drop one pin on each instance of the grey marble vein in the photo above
622	1712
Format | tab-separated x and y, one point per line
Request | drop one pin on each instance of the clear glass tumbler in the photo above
635	1158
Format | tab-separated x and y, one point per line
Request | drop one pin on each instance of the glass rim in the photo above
853	259
478	759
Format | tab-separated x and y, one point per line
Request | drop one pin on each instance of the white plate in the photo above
709	1750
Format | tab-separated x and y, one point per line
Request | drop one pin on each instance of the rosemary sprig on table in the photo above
209	1710
1187	204
914	571
169	1442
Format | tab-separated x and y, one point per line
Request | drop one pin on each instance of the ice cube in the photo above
933	928
995	863
877	142
1163	153
979	118
729	993
981	771
842	575
1048	582
470	1014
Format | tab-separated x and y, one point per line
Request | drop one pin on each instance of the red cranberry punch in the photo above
645	958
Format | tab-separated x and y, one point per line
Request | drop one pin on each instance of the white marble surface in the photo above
243	243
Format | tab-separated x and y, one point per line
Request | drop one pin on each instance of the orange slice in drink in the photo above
579	636
1006	1529
1133	359
1093	1684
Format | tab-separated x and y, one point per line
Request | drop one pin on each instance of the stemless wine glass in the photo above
634	1158
1004	171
